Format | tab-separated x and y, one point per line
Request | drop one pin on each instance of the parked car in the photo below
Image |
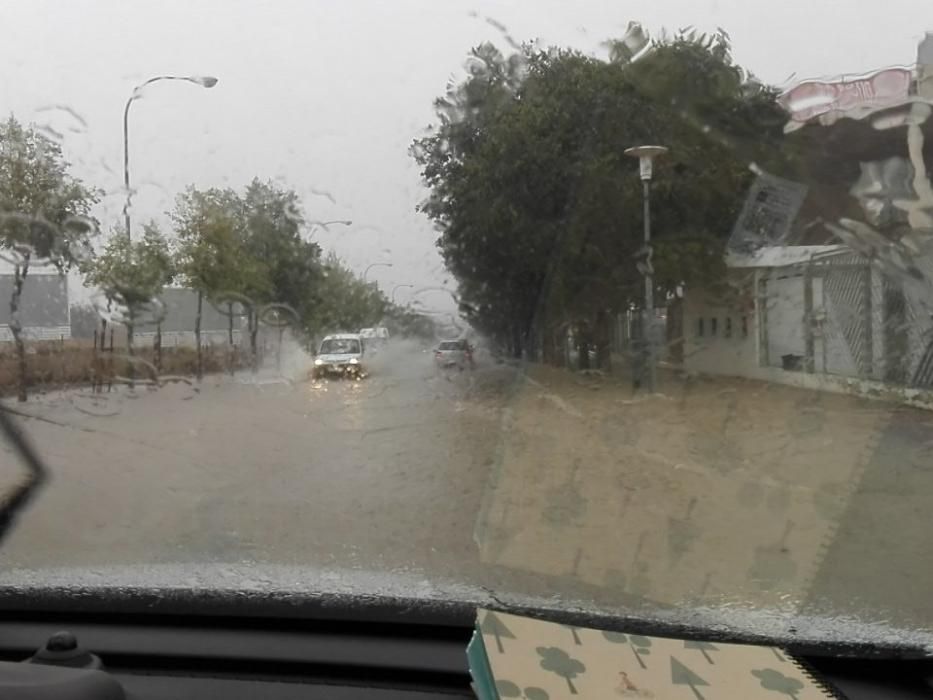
454	353
340	355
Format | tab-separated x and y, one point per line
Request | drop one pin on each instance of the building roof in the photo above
782	256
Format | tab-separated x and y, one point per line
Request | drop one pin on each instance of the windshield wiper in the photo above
36	474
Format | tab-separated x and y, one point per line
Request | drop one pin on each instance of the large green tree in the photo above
248	249
347	302
44	215
538	209
275	224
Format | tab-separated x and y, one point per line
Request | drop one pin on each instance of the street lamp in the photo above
646	156
397	287
325	224
372	265
206	81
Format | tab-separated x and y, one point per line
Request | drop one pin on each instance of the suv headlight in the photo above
318	363
354	361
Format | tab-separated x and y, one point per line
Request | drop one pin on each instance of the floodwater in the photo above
712	494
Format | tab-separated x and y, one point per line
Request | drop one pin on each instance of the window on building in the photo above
745	326
713	326
700	329
727	330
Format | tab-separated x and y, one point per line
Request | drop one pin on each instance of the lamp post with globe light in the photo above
646	156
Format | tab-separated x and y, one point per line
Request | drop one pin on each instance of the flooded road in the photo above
718	495
317	473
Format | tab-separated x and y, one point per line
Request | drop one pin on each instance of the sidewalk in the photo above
712	490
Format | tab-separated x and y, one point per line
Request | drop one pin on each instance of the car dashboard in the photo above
155	649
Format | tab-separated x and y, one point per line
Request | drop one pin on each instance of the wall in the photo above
729	348
172	339
865	388
181	308
37	333
738	355
43	311
784	301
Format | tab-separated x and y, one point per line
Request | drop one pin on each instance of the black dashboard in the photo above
336	655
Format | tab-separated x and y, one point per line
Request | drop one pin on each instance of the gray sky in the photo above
327	96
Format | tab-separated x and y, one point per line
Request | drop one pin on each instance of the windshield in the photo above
685	248
340	346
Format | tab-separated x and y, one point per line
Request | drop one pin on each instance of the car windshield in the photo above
690	246
340	346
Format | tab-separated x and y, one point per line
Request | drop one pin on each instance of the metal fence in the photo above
841	315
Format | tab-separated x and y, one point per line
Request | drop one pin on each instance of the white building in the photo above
796	314
43	312
179	318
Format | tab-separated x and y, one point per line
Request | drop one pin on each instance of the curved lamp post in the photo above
204	81
325	224
397	287
372	265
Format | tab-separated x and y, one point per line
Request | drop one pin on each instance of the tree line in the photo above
540	211
245	251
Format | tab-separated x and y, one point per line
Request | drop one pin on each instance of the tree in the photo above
345	300
507	689
772	679
574	634
212	255
132	274
407	322
560	662
640	645
274	223
247	249
493	624
540	212
703	647
44	215
681	675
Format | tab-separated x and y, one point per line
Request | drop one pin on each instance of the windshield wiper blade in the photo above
36	474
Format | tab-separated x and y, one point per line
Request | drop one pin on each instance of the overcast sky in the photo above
326	96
